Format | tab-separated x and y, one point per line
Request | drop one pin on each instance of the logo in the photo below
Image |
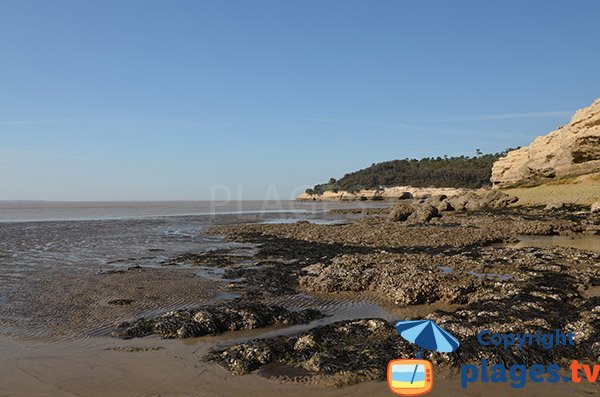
413	377
519	375
410	377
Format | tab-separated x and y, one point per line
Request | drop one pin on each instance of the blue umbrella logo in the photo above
409	377
427	335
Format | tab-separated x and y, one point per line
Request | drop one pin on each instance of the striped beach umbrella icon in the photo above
427	335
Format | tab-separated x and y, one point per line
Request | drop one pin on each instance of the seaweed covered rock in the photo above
542	299
359	350
214	320
404	279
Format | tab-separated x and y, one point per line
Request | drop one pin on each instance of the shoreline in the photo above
386	193
362	273
579	190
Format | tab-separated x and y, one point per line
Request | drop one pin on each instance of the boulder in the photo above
414	213
444	206
406	196
571	150
472	201
596	207
459	203
440	202
402	211
497	199
423	213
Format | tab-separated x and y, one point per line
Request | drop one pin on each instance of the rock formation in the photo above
571	150
425	210
386	193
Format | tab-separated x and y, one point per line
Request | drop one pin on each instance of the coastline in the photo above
386	193
450	268
580	190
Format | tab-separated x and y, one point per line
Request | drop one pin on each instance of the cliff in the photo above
571	150
397	192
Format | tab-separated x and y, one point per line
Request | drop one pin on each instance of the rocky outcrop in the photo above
472	201
214	320
424	211
571	150
386	193
402	279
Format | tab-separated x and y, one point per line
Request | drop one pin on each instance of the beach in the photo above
178	305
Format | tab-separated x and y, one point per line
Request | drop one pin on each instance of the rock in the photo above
386	193
342	353
444	206
460	202
406	196
402	279
554	206
497	199
214	320
423	213
472	201
418	212
596	207
569	151
440	202
402	211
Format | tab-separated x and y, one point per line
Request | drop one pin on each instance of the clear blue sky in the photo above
125	100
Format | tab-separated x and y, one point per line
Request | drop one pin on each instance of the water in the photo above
589	243
23	211
50	246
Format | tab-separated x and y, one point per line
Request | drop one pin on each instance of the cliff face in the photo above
388	193
569	151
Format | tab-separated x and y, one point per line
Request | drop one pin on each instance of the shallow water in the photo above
590	243
40	254
327	221
29	211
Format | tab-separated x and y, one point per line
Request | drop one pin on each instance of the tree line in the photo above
459	172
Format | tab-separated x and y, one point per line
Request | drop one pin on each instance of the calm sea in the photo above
27	211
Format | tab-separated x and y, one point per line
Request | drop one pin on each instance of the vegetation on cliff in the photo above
459	172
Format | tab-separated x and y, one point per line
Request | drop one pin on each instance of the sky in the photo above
200	100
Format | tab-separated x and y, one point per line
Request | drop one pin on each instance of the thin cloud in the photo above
408	127
319	120
506	116
48	121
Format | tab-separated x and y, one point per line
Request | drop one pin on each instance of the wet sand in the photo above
90	304
97	367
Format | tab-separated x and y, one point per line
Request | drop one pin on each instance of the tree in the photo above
461	171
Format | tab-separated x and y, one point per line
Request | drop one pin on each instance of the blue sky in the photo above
150	100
